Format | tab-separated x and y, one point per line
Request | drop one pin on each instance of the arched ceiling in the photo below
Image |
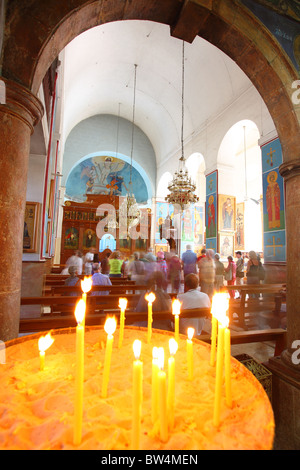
99	74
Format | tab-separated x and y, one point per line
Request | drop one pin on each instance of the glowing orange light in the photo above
45	342
150	297
137	346
110	325
190	333
86	284
80	311
176	304
123	303
173	346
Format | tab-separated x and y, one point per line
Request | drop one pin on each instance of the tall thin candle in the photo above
150	299
109	327
162	397
44	343
79	315
173	346
137	396
176	304
190	353
154	391
122	305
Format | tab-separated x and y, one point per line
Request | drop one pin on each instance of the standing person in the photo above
136	269
162	267
189	261
115	264
252	268
192	298
88	262
239	269
230	270
207	271
219	278
202	254
174	273
105	264
75	260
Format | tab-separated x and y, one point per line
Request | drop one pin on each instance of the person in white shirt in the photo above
192	298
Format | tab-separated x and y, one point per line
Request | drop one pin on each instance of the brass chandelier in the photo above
182	189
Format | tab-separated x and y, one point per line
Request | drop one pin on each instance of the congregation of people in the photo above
193	277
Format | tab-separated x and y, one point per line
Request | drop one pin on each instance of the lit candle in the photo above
189	349
176	304
137	396
227	366
86	285
162	397
154	392
150	299
109	327
122	305
44	343
218	305
79	315
219	375
173	346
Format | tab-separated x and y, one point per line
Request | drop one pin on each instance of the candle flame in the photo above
110	325
176	304
45	342
137	346
190	333
80	311
220	304
86	284
123	303
150	297
173	346
161	358
155	352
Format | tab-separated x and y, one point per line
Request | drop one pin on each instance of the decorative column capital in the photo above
21	103
290	169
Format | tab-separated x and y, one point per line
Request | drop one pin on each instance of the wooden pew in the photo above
270	301
113	289
278	335
49	322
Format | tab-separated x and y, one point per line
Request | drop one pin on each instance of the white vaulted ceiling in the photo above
99	74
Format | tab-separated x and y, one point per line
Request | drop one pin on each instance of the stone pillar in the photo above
286	368
18	116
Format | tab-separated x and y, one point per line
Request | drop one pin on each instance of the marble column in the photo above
286	368
18	116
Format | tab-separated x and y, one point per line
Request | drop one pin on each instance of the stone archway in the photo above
35	34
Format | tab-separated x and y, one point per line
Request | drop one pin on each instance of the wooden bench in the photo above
278	335
113	289
268	299
49	322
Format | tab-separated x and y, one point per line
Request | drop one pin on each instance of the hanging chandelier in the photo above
182	189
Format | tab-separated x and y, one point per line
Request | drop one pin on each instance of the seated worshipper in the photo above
192	298
99	279
72	280
115	264
162	302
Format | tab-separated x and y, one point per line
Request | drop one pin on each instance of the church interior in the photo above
103	104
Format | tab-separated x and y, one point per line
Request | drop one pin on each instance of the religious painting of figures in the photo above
164	221
105	175
273	198
89	239
211	216
226	244
240	234
227	212
71	239
31	219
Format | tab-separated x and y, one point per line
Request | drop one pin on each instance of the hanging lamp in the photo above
182	189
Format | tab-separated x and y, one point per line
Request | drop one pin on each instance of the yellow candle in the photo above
150	299
79	314
109	327
162	397
227	367
173	346
122	305
154	392
214	327
44	343
137	396
219	305
219	375
189	348
176	304
86	285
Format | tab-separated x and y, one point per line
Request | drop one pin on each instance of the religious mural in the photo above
226	212
105	175
273	203
211	210
240	227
